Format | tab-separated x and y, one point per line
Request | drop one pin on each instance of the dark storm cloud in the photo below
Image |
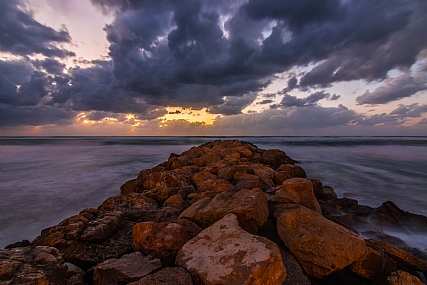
22	35
233	105
292	101
404	85
218	54
12	116
50	65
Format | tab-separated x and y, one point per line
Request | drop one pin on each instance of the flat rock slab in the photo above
250	206
398	254
166	276
319	245
226	254
130	267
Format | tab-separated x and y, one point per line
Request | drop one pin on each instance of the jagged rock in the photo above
135	206
319	245
398	254
23	243
89	238
323	193
38	265
389	214
166	276
226	254
163	240
293	170
128	187
374	266
169	179
130	267
175	201
201	176
299	191
250	206
403	278
340	206
215	185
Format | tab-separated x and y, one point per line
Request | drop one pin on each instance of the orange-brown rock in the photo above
250	206
128	187
166	276
319	245
38	265
176	201
135	206
163	240
202	176
293	170
398	254
215	185
299	191
205	160
403	278
226	254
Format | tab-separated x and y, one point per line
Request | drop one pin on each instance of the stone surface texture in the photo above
320	246
226	254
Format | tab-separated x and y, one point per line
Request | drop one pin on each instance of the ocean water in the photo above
46	179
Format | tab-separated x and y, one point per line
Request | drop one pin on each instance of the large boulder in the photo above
166	276
226	254
38	265
319	245
130	267
163	240
250	206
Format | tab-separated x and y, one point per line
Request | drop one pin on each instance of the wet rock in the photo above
38	265
375	266
389	214
250	206
22	243
163	240
166	276
403	278
226	254
394	241
323	193
398	254
319	245
130	267
293	170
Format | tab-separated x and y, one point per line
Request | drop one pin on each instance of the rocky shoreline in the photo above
225	212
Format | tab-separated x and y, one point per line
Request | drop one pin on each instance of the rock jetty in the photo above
225	212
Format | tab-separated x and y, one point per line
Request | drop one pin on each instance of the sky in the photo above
213	67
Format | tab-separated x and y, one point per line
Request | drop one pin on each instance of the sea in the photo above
44	180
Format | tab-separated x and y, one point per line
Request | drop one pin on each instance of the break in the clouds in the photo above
218	55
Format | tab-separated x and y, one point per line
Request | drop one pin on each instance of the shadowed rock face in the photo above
223	192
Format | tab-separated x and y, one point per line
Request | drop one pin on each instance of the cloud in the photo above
22	35
233	105
12	116
293	101
404	85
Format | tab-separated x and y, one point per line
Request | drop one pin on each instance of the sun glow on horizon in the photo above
189	114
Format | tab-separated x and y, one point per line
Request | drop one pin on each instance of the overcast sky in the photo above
212	67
